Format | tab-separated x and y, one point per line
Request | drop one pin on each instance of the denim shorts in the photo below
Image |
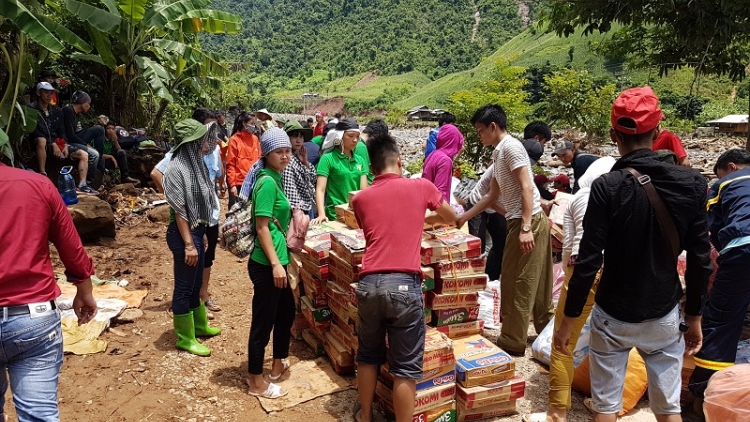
392	303
659	343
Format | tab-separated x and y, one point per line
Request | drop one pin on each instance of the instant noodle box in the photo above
338	301
337	351
345	214
454	315
431	258
427	315
315	291
346	270
295	264
445	242
460	268
318	271
428	278
424	400
486	395
323	322
326	227
437	301
442	413
480	362
438	350
432	378
316	249
299	324
492	411
463	329
349	245
466	284
314	342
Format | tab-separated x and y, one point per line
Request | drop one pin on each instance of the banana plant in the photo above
26	37
153	48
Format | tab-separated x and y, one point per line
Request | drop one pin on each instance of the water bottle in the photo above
67	186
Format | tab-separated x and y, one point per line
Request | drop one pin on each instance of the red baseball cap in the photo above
639	105
540	179
565	180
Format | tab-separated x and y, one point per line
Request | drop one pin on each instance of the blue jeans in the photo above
187	279
31	351
392	303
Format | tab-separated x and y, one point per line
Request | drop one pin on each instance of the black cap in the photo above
534	149
347	124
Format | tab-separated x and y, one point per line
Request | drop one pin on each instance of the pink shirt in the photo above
34	215
391	214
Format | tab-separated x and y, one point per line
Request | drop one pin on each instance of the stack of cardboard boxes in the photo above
459	277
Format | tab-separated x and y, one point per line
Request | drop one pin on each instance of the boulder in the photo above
127	189
159	214
93	218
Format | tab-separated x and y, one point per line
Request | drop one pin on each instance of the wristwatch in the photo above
526	228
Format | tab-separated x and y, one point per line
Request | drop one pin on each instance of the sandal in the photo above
212	306
588	403
285	368
355	413
535	417
272	392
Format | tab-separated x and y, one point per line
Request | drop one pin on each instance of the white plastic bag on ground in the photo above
541	349
489	305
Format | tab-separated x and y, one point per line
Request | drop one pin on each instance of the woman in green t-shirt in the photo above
340	171
273	302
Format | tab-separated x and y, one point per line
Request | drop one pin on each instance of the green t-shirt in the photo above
108	144
269	201
318	140
361	151
343	174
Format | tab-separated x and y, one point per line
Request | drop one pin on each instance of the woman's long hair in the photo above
239	122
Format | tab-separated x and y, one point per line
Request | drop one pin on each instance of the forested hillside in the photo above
436	37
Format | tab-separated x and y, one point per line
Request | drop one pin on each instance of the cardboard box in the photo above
295	264
442	413
433	378
327	227
345	215
454	316
454	254
486	395
318	271
424	399
463	329
438	350
558	208
315	291
480	362
349	245
316	248
342	335
466	284
428	278
343	268
338	301
317	327
338	352
314	342
297	291
352	294
436	301
427	315
351	195
493	411
322	314
299	324
441	242
460	268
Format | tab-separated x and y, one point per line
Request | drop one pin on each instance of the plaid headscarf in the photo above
272	139
187	184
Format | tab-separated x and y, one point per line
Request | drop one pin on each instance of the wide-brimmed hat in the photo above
293	126
188	130
260	114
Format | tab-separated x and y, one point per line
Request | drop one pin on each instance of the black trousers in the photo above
273	310
497	227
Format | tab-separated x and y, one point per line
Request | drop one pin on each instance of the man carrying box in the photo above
389	294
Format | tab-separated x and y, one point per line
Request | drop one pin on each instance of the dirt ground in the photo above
142	377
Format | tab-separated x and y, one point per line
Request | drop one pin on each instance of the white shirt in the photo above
482	187
510	155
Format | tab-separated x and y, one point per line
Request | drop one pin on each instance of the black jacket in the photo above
639	281
50	125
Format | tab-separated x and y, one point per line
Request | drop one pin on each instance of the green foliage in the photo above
574	100
505	87
711	36
716	110
415	167
463	167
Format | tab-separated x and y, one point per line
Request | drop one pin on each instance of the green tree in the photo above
574	100
506	88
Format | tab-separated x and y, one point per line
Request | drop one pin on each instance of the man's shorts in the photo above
659	343
392	303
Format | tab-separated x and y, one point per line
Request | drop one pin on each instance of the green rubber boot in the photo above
184	327
201	323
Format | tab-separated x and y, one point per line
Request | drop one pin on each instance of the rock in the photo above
159	214
129	315
125	189
93	218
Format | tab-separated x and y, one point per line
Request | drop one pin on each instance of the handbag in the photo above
237	232
298	226
666	223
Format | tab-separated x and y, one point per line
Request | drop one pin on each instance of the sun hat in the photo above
273	138
263	114
566	145
293	126
639	106
188	130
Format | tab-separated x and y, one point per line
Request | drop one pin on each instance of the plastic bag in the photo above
489	305
558	279
541	349
727	398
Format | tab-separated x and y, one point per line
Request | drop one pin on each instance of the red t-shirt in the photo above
318	129
391	214
670	141
34	215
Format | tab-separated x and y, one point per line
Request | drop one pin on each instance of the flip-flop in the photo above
272	392
588	403
357	408
284	369
535	417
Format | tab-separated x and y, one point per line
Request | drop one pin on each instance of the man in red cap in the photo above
320	123
638	298
561	183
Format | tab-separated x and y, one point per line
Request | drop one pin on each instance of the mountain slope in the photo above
292	38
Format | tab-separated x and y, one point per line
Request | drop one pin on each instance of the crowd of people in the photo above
625	280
